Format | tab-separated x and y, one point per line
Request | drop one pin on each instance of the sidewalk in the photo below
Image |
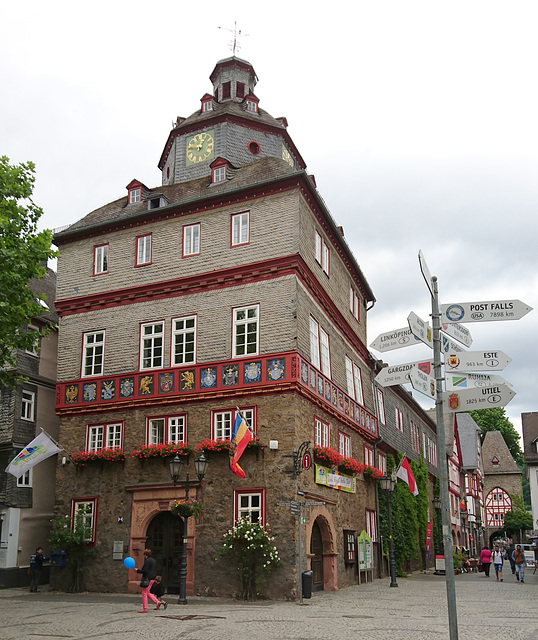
416	610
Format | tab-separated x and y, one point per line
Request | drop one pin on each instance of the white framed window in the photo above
380	405
432	452
415	437
184	340
246	331
354	302
252	106
84	511
33	350
28	405
240	228
368	455
100	259
207	106
399	419
249	503
26	479
222	422
218	175
104	436
94	354
191	240
321	252
314	343
321	433
167	429
382	462
151	345
344	444
325	352
371	527
354	381
143	250
135	195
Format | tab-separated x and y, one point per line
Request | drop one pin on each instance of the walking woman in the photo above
148	571
485	560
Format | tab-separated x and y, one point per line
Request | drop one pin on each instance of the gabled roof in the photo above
495	446
468	430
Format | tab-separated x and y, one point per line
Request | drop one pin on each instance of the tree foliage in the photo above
518	519
24	252
495	419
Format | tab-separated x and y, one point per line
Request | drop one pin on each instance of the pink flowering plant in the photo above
351	466
165	450
187	507
372	472
328	456
82	458
214	446
248	548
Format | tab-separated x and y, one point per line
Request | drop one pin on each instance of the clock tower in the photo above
229	126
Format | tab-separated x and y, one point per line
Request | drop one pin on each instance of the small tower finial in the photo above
235	44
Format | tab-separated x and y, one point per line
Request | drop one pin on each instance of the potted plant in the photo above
187	507
164	450
327	456
82	458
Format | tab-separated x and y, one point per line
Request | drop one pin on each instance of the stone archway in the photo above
321	527
148	502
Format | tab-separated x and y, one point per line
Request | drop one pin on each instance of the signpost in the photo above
490	310
498	395
420	329
492	360
399	374
394	340
422	382
458	332
472	380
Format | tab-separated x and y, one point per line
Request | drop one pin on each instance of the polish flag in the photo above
405	474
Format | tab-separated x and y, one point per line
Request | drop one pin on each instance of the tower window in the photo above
240	90
254	148
226	90
219	174
252	106
135	196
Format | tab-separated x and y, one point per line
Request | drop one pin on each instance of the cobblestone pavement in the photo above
416	610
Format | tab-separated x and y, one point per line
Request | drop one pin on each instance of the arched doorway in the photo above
165	539
316	558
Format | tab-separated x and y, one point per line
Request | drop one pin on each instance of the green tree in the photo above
24	252
518	519
495	420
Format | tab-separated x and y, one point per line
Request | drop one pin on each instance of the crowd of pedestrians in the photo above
515	556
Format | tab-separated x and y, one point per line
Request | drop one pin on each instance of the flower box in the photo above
82	458
168	450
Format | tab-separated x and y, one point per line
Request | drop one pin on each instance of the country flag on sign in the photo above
404	473
459	381
241	436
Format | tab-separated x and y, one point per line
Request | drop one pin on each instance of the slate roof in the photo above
494	446
467	430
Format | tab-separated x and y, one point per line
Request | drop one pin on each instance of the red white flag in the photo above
405	474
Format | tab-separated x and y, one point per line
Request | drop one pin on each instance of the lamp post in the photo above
200	466
387	484
437	507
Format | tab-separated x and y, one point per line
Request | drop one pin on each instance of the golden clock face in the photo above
200	147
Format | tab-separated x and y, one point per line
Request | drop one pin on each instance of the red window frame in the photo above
233	411
250	491
95	501
368	453
145	235
371	524
95	248
166	417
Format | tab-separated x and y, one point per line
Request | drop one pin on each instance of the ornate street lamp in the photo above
200	466
387	484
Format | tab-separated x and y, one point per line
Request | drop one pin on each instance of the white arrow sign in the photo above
458	332
420	329
484	311
399	374
472	380
476	361
422	382
394	340
485	398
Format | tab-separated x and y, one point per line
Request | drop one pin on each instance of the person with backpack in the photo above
520	562
36	565
497	557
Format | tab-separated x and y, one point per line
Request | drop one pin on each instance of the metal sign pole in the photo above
300	576
443	465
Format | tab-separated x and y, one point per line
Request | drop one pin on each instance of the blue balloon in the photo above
129	562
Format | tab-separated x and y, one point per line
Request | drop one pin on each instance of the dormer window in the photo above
207	103
135	195
252	106
495	460
219	175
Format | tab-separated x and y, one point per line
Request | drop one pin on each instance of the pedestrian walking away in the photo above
520	562
149	572
508	556
157	590
485	560
36	565
497	557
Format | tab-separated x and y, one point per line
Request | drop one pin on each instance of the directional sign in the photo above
485	398
420	329
472	380
484	311
399	374
458	332
422	382
295	508
476	361
394	340
425	271
449	346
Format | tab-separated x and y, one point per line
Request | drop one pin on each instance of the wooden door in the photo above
165	539
316	562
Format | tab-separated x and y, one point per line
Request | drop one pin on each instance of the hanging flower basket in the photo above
190	507
372	473
82	458
328	457
168	450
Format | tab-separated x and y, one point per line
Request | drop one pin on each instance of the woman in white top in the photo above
497	559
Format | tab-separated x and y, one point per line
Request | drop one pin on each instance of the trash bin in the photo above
307	580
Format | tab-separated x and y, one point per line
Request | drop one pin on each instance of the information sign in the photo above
471	380
492	360
484	398
399	374
489	310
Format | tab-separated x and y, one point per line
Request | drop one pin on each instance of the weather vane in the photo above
234	44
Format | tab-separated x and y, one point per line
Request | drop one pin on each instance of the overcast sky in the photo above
418	119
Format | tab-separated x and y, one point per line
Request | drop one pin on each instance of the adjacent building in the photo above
529	423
